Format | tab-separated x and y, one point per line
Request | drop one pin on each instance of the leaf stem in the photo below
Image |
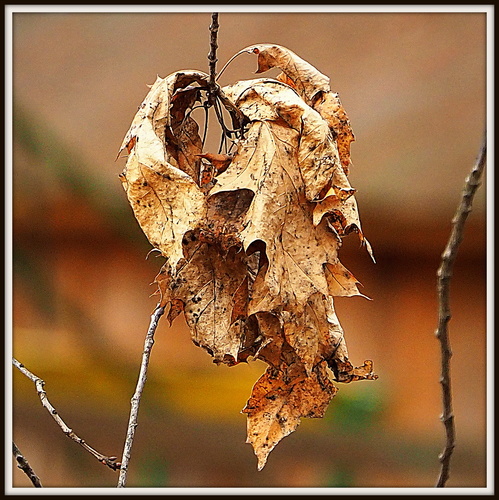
135	401
444	274
229	61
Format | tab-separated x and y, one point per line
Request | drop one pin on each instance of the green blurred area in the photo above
82	282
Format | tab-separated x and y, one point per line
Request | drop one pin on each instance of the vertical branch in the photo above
444	274
214	90
212	58
24	465
135	402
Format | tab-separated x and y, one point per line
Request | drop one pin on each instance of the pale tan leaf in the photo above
306	79
275	215
341	282
329	106
313	86
342	216
163	109
167	203
158	177
268	163
343	208
306	141
314	332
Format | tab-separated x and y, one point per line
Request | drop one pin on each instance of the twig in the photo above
212	58
135	402
39	384
444	274
214	90
23	464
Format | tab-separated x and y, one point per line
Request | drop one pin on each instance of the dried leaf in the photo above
214	294
342	216
345	372
302	134
305	78
166	199
276	406
251	236
329	106
313	86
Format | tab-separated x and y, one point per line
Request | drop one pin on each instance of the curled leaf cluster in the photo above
251	236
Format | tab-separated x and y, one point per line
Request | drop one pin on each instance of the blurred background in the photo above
413	85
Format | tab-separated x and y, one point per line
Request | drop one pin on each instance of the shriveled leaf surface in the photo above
313	87
159	177
251	235
279	400
214	295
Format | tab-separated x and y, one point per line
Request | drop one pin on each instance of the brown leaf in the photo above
166	202
314	332
304	137
277	405
329	106
251	238
214	292
302	270
268	164
306	79
215	164
345	372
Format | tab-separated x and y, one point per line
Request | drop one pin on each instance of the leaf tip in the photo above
369	249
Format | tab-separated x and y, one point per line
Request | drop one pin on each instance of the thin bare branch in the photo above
444	274
214	90
135	402
39	384
24	465
212	58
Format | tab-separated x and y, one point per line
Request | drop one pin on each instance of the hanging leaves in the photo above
251	234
